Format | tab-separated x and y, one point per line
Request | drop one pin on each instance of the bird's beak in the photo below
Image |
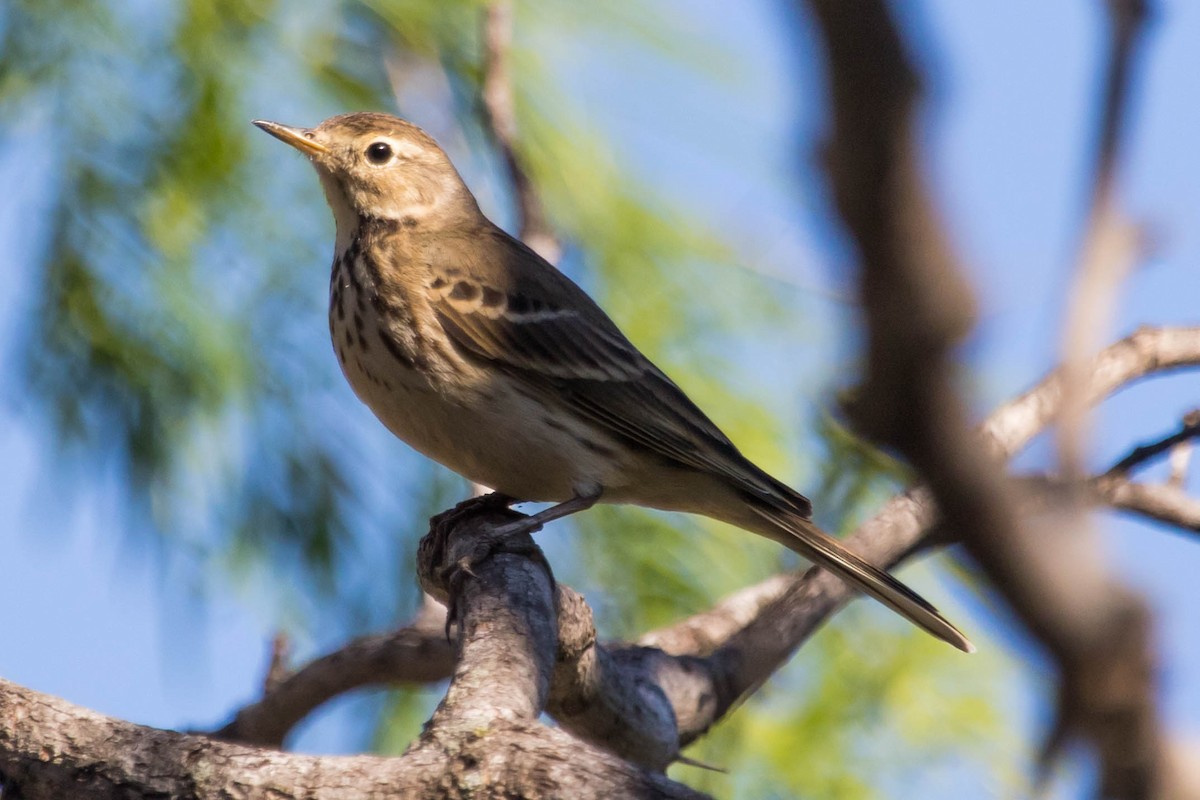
299	138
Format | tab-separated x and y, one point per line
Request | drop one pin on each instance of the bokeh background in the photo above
184	473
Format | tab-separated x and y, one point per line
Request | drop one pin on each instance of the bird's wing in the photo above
541	329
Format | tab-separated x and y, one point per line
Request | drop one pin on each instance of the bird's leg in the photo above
582	501
492	501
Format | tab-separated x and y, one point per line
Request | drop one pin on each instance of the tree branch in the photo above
1166	503
915	300
418	653
1188	430
484	740
527	646
1148	351
502	591
1110	242
616	696
51	749
500	116
1160	502
1145	353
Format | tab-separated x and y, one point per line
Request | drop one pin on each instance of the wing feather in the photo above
546	332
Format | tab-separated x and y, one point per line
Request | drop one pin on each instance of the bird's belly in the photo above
484	431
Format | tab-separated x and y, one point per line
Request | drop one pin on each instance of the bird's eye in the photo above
379	153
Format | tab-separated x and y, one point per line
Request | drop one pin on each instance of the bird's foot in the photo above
440	525
480	503
466	536
454	576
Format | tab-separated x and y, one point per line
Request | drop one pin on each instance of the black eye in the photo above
379	153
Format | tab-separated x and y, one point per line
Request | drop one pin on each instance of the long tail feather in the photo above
814	544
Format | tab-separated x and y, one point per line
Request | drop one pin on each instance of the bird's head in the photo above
379	166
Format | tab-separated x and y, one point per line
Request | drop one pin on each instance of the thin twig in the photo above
1180	460
277	667
1166	503
1109	245
1189	429
418	653
1162	503
501	119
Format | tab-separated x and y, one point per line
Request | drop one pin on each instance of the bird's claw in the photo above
454	577
502	538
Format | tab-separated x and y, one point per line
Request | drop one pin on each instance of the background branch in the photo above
1162	503
1166	503
51	749
417	653
1147	351
499	112
1188	430
914	299
1110	242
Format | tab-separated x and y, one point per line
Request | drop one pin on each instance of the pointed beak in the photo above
299	138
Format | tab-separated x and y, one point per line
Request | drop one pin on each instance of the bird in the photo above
478	353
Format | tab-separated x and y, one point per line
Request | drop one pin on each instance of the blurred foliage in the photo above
176	335
857	720
855	475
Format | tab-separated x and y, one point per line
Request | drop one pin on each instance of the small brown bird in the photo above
478	353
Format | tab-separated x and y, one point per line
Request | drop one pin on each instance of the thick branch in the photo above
483	741
51	749
768	621
614	696
505	600
771	619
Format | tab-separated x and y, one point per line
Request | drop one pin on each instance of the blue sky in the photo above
1014	102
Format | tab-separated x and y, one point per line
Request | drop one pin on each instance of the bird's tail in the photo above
801	535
